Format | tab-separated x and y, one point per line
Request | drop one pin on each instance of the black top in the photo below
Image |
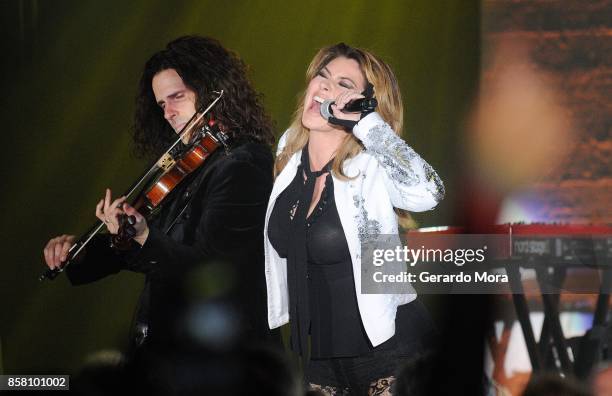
328	290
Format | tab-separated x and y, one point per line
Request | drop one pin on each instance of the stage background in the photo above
567	46
70	70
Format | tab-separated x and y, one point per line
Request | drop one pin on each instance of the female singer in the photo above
337	183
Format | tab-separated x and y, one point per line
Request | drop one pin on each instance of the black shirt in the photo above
333	315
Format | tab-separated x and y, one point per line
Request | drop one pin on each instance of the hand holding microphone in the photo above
348	103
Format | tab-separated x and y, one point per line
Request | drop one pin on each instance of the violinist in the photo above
216	214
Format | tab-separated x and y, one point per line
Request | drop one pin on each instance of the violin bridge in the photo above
166	162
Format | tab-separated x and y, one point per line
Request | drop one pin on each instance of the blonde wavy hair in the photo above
386	91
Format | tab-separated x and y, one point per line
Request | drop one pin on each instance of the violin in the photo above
161	179
211	138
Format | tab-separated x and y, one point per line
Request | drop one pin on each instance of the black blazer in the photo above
206	244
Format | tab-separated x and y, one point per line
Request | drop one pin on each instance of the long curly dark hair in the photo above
205	66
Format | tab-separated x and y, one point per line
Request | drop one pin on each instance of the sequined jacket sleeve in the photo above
412	184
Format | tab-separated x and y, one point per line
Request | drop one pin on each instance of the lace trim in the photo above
432	176
328	390
367	229
398	160
393	154
382	387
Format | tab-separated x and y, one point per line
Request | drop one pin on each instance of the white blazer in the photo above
391	174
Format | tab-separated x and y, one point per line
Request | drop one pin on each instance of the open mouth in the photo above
316	104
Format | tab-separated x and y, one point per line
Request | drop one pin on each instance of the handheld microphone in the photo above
326	110
361	105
